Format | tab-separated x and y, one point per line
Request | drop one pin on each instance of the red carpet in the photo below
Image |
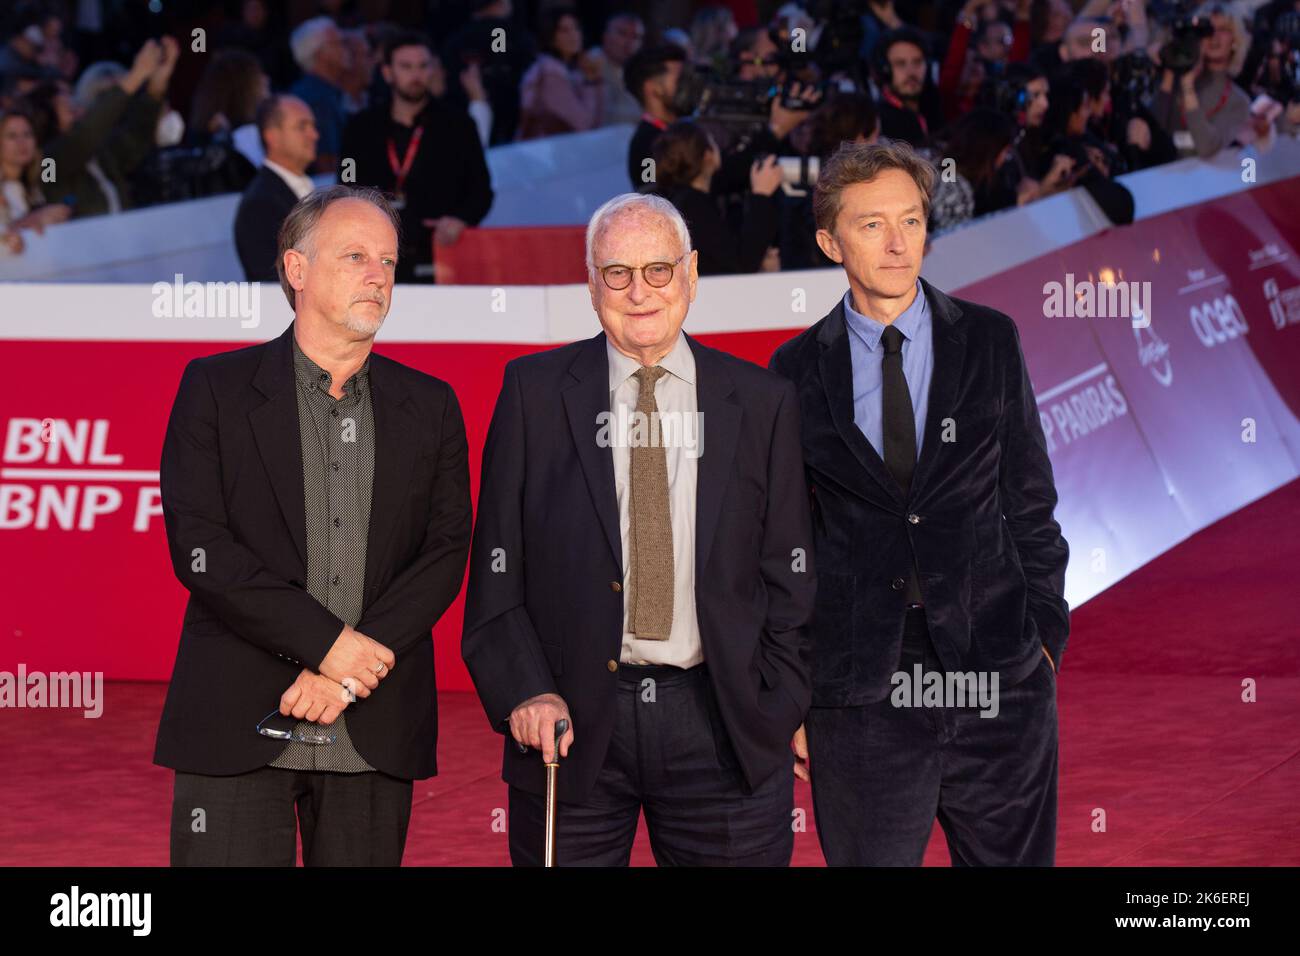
1154	734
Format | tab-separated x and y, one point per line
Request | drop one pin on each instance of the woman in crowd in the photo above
96	149
1066	127
563	90
977	144
22	203
1202	108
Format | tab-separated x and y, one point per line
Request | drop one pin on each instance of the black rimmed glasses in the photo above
656	274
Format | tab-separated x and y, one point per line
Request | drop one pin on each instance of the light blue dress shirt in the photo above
867	351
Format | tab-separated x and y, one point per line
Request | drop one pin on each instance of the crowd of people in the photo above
733	108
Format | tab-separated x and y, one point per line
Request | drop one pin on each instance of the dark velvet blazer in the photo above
989	554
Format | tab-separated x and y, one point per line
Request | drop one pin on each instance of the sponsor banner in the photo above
1113	507
83	552
1208	409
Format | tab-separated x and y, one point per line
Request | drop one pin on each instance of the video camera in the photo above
1183	48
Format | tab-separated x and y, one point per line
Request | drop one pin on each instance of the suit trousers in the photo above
670	755
248	819
882	773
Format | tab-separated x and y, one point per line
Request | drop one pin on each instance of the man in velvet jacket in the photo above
937	550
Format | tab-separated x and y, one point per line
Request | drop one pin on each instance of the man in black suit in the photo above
424	151
941	577
316	498
288	133
642	578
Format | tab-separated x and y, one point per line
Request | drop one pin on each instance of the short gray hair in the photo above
299	227
641	202
307	39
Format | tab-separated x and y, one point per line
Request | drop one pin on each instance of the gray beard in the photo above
362	326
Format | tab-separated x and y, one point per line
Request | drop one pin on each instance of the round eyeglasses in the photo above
657	274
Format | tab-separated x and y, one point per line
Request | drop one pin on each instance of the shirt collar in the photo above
301	185
310	375
679	362
870	330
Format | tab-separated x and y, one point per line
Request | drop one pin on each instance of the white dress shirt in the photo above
674	393
300	184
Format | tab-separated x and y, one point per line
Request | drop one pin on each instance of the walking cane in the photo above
552	768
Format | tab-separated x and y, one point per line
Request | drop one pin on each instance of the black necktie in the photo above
899	430
900	424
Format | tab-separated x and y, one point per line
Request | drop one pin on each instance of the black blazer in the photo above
232	484
989	555
552	621
262	209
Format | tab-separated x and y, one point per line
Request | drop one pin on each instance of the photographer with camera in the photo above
1197	102
686	159
759	109
750	106
841	118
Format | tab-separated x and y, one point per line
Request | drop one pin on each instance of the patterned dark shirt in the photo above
338	468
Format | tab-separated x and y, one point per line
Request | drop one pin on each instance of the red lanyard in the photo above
890	97
654	121
400	172
1227	88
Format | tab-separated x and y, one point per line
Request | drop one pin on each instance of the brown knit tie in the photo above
651	530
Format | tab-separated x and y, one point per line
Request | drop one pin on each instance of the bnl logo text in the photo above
59	473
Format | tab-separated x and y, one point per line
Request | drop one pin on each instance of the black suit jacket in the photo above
989	555
552	622
262	209
232	485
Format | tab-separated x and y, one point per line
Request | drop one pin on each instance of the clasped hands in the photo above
353	668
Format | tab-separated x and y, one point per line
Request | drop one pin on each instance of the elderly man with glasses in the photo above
640	569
